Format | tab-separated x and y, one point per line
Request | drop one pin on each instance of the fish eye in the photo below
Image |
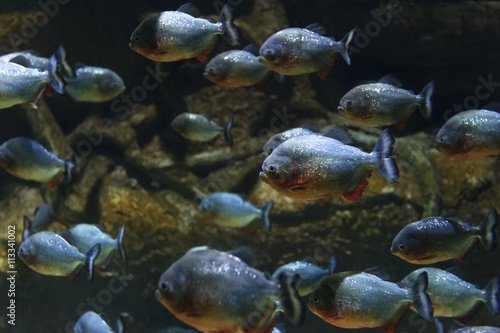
137	38
165	286
269	54
315	299
401	247
348	103
272	168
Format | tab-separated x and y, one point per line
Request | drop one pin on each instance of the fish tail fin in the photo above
290	298
332	265
265	215
63	67
56	81
345	45
425	98
227	132
229	30
493	292
26	228
487	228
119	243
119	328
387	166
421	300
68	166
92	255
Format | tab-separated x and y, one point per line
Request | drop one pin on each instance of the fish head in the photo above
110	84
279	170
172	288
273	53
449	140
321	301
272	143
215	73
27	252
180	124
144	38
354	104
406	245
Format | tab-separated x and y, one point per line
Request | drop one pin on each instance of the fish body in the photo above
310	275
297	51
477	329
230	210
358	300
453	297
312	166
43	215
174	35
470	135
436	239
94	84
37	62
217	292
50	254
382	104
91	322
197	127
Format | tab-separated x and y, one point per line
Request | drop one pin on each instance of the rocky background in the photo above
133	170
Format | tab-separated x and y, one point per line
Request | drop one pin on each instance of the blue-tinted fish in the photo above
312	166
297	51
43	215
176	35
310	275
383	104
91	322
50	254
198	127
84	236
477	329
217	292
453	297
94	84
34	61
357	300
470	135
27	159
230	210
436	239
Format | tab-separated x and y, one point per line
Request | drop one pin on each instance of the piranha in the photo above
83	236
383	104
470	135
297	51
43	215
217	292
436	239
312	166
94	84
310	275
34	61
91	322
27	159
198	127
176	35
362	300
453	297
230	210
48	253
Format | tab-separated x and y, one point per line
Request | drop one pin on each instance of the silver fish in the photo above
94	84
91	322
198	127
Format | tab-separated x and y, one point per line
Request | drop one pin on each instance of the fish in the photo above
176	35
383	104
310	274
40	63
83	236
230	210
91	322
94	84
48	253
477	329
214	291
43	215
470	135
453	297
176	329
436	239
312	167
363	300
298	51
198	127
27	159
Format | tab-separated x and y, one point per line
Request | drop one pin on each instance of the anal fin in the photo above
325	71
203	56
356	192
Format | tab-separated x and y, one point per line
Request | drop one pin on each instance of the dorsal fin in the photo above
378	272
389	79
492	106
317	28
21	60
340	134
189	8
251	48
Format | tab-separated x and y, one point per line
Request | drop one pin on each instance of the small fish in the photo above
94	84
312	166
43	215
197	127
453	297
84	236
91	322
297	51
27	159
436	239
362	300
470	135
310	275
383	104
48	253
175	35
230	210
37	62
204	289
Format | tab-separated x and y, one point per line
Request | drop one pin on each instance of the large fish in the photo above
175	35
198	127
436	239
94	84
217	292
357	300
311	166
470	135
297	51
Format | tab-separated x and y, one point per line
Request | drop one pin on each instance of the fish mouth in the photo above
341	109
262	175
